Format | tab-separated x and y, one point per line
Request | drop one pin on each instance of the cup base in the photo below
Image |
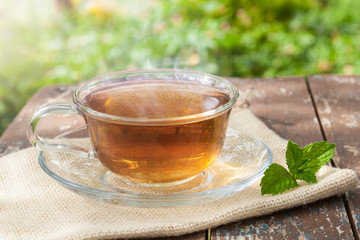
120	184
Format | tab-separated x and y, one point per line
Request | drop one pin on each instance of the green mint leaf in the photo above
276	180
304	162
293	156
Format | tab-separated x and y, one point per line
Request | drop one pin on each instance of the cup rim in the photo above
155	121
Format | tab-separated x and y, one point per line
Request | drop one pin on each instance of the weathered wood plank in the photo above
313	221
286	107
338	104
14	138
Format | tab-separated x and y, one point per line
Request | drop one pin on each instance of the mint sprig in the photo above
303	164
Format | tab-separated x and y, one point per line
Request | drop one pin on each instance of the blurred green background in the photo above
68	41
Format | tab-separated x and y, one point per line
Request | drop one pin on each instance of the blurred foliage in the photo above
241	38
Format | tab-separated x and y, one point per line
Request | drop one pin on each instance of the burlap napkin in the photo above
34	206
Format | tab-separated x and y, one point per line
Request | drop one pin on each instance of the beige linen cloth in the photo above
34	206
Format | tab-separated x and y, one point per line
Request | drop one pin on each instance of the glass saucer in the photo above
242	161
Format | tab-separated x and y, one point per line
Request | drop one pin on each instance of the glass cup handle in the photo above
55	145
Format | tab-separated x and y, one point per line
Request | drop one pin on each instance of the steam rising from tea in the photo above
153	100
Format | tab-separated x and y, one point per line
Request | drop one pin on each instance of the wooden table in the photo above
303	109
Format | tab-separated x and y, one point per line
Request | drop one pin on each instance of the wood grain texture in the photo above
285	106
319	220
337	100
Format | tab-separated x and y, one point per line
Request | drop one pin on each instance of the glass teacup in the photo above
148	126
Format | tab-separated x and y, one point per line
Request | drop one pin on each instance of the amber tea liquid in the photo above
161	153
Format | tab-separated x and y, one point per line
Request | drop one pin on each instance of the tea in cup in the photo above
148	126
